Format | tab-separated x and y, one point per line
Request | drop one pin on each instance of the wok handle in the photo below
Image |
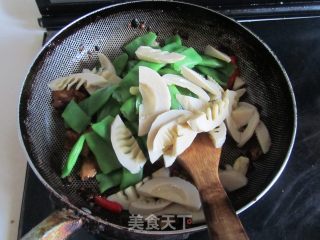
59	225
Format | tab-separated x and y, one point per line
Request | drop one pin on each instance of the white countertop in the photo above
20	40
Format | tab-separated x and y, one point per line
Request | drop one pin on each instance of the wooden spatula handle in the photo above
201	160
223	223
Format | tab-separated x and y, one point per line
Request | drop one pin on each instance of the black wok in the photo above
42	130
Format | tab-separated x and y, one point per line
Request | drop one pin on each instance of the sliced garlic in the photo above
232	180
263	137
241	165
239	93
233	124
242	114
238	83
233	129
249	130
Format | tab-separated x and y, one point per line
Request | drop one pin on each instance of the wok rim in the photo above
145	232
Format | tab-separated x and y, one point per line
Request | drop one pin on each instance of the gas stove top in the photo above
290	210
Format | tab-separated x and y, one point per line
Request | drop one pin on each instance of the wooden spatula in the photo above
201	160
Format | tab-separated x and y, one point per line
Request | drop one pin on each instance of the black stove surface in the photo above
291	209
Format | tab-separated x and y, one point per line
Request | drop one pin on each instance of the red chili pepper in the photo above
236	73
232	78
108	205
234	60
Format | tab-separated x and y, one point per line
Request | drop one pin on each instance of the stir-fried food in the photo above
148	105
